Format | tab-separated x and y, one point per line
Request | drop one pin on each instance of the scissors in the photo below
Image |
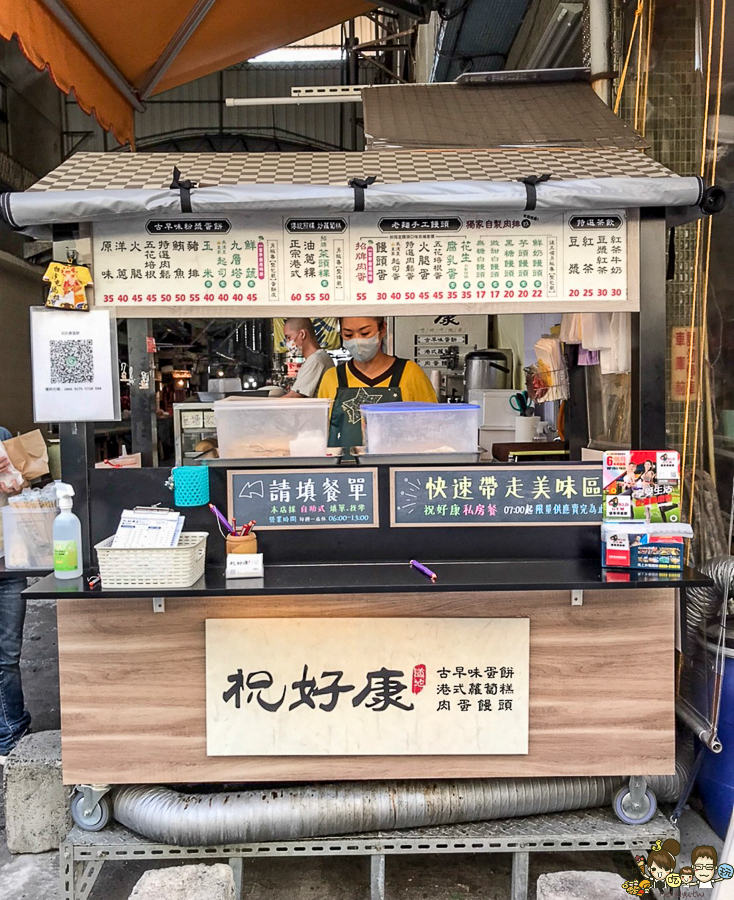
520	402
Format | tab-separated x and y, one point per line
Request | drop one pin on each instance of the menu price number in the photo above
494	294
599	292
179	298
310	298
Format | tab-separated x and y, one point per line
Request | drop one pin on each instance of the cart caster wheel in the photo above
100	817
625	811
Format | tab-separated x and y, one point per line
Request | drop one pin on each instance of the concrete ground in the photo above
449	877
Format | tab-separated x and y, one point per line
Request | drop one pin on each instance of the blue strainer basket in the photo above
190	485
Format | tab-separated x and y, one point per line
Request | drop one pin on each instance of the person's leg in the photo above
14	717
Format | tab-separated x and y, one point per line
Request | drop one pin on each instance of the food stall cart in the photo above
526	659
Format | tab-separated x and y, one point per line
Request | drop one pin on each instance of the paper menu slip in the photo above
148	528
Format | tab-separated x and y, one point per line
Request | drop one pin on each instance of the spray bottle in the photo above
67	536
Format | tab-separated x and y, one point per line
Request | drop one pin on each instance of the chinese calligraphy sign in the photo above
281	687
476	261
304	498
496	495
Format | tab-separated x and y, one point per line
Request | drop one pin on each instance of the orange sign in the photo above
680	347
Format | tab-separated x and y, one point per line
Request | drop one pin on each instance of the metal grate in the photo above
83	853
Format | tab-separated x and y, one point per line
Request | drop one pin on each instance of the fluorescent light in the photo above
562	31
298	55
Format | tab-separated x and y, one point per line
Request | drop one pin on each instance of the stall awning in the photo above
114	55
558	113
93	187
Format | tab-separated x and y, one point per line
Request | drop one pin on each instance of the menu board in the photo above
495	495
304	498
509	260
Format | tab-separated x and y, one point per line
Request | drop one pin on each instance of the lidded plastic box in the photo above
421	427
28	536
247	429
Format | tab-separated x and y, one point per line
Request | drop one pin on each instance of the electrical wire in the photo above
703	343
706	257
623	76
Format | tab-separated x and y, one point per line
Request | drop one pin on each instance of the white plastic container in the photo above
495	406
421	427
490	436
248	429
28	537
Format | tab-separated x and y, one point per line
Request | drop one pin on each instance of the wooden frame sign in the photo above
428	497
382	687
282	499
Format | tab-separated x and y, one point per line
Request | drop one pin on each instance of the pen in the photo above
424	570
221	518
248	528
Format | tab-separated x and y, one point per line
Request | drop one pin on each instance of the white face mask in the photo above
363	349
292	347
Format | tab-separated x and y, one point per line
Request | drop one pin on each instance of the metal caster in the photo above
91	807
635	805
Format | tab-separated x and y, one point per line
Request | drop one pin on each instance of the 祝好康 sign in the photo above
495	495
366	687
304	498
325	265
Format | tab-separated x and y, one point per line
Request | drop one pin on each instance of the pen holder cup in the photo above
190	485
246	543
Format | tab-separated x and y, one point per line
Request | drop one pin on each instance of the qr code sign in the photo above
72	362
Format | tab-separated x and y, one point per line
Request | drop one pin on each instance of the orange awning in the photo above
113	55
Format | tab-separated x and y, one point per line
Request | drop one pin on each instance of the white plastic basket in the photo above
153	567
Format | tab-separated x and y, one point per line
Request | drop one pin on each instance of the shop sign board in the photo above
241	264
430	497
304	498
366	687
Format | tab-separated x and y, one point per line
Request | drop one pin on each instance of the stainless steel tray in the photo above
414	459
273	462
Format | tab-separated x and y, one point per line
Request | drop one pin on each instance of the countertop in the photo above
335	578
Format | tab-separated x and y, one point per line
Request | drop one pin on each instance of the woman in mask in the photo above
371	376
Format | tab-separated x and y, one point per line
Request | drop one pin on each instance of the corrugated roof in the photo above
563	114
476	36
86	171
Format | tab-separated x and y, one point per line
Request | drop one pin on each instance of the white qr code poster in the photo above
74	366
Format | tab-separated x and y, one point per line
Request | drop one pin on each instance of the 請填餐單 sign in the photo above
496	495
270	263
304	498
339	686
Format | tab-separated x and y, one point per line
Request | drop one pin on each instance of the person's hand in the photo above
5	467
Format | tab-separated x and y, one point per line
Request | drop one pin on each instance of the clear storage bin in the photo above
421	427
28	535
248	429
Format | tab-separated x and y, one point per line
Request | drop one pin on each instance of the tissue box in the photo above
639	547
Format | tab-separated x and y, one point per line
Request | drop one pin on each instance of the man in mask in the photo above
371	376
300	338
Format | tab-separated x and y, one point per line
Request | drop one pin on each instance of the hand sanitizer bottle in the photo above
67	536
